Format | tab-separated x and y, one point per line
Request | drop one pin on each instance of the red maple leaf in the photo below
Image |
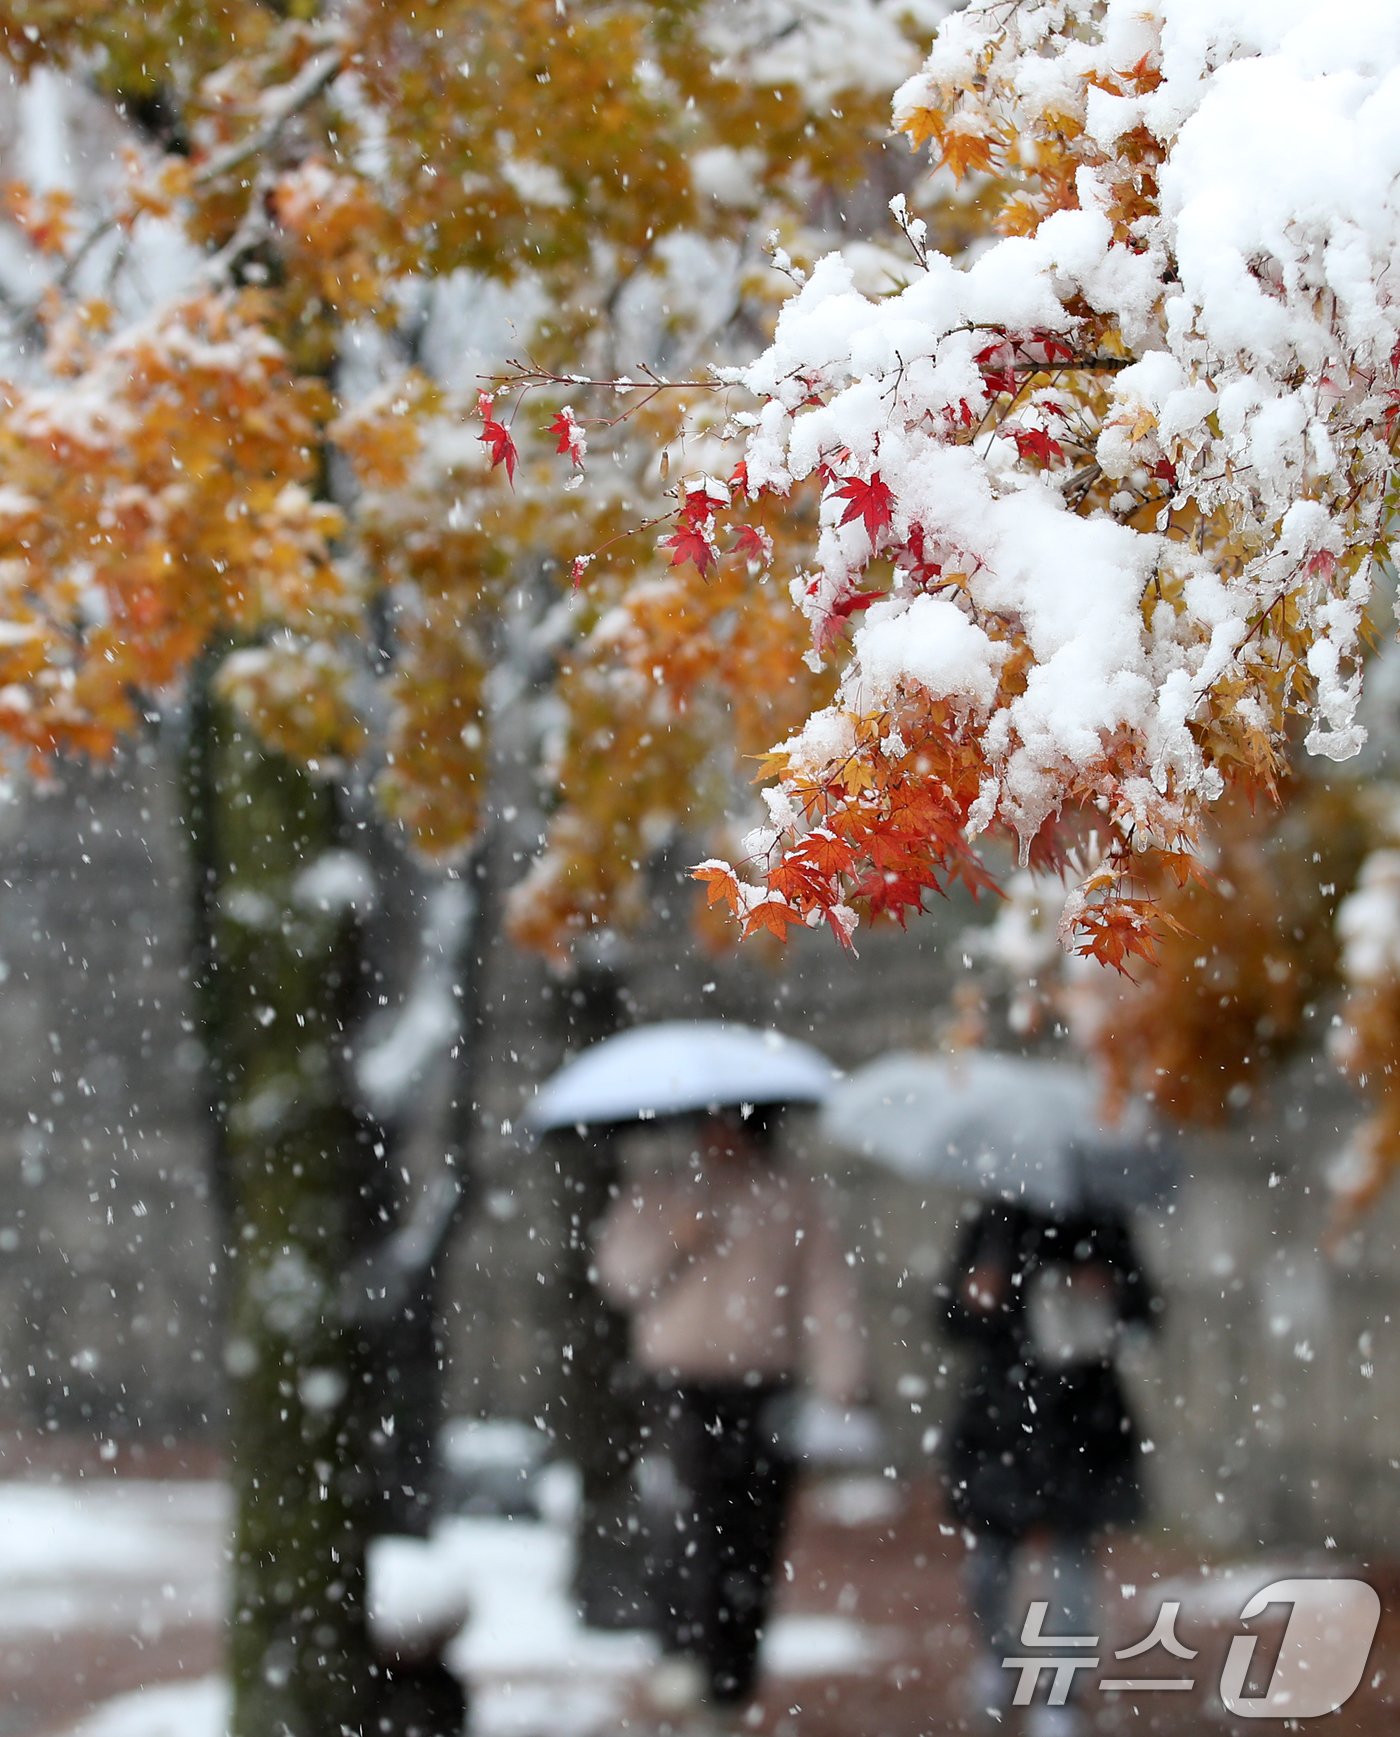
891	895
854	602
754	544
841	920
872	501
690	542
1037	444
497	436
915	559
800	882
571	438
697	507
997	379
1055	348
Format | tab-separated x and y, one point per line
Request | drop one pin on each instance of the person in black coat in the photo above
1043	1439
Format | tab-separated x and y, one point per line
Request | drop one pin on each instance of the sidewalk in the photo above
872	1640
870	1637
899	1576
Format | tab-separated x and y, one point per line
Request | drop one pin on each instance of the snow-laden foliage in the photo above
1101	507
253	276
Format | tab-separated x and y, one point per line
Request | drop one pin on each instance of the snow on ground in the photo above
526	1709
130	1556
806	1646
516	1577
198	1709
141	1556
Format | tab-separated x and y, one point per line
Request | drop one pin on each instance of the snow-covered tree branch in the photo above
1101	507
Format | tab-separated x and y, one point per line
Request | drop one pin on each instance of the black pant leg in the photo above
680	1571
751	1515
715	1558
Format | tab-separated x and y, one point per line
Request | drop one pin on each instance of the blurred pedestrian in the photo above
1043	1441
738	1290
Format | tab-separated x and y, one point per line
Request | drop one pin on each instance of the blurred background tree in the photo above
255	260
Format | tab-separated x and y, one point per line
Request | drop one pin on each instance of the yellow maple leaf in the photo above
925	126
1140	422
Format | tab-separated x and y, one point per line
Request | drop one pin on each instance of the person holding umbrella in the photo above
1043	1281
1043	1441
737	1289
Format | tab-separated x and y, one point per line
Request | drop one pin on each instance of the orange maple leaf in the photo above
966	150
774	914
1121	930
721	886
827	853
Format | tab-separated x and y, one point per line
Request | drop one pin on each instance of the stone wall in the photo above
105	1300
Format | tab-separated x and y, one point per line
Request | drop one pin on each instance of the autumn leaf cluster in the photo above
243	413
1101	510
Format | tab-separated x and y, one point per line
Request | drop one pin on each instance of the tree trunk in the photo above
297	1173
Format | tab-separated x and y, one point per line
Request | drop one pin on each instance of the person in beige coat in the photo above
738	1290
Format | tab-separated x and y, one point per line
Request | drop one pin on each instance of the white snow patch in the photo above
118	1556
197	1709
338	880
817	1646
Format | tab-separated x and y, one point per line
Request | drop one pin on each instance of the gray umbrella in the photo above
1001	1127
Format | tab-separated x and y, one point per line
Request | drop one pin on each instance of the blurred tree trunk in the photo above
299	1173
331	1281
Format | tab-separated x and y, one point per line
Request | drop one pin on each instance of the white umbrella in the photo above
1001	1127
679	1067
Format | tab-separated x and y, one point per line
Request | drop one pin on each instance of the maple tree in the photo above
246	466
1100	509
